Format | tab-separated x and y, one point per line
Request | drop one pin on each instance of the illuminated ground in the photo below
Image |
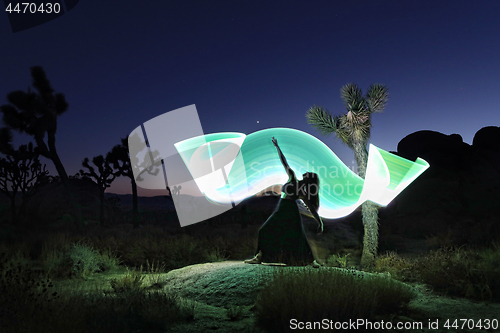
217	286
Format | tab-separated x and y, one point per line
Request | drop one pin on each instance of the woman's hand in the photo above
275	142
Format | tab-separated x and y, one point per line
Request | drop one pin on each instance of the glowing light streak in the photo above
251	164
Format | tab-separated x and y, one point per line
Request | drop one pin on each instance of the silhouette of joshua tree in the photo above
35	113
21	170
104	177
177	190
123	164
353	129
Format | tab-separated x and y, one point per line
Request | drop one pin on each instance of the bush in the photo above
132	280
108	260
398	267
310	295
84	260
337	261
462	272
216	255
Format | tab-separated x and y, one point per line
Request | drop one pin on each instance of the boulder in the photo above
52	204
231	283
486	145
487	138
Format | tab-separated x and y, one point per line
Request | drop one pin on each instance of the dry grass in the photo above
459	271
310	295
463	272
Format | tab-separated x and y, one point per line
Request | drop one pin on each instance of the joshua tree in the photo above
20	171
35	113
353	129
177	190
104	177
122	163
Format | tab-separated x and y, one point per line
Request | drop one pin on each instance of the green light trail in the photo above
252	165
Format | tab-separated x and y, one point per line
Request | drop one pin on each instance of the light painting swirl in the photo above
229	167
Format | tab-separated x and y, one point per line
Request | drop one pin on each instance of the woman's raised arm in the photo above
289	170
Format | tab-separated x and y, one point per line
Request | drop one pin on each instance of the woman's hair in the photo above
311	180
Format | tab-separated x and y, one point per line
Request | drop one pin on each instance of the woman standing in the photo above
282	237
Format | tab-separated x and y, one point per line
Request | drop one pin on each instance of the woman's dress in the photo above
282	238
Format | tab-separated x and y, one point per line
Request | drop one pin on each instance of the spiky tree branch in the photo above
322	120
21	171
350	94
377	97
104	176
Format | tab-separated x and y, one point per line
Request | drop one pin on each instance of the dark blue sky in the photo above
121	63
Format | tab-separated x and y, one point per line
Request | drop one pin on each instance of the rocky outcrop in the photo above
230	283
459	193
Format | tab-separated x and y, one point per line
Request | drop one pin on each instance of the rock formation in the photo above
459	194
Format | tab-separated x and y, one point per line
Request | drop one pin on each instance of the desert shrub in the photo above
216	255
134	308
108	260
62	258
398	267
154	274
245	250
132	280
169	251
336	260
234	242
490	256
307	294
84	260
462	272
185	250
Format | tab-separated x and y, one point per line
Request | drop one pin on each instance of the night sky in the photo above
251	65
